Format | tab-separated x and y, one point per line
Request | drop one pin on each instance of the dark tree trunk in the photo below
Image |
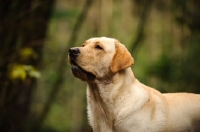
23	25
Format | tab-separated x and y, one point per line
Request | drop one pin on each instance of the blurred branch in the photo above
62	66
142	23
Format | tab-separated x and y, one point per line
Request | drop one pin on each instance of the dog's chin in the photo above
82	74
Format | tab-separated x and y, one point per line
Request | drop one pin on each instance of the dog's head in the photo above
98	58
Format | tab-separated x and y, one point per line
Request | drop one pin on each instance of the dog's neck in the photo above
101	96
105	87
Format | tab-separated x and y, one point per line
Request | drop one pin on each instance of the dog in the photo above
118	102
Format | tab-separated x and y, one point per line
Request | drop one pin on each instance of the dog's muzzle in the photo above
76	69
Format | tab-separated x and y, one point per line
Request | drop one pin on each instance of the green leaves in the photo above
27	53
19	71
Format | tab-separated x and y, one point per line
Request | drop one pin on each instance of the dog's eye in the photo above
83	45
98	47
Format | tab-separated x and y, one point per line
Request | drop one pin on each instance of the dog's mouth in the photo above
80	72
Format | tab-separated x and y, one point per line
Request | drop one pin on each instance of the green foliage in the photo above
27	53
19	71
69	14
187	13
179	74
164	68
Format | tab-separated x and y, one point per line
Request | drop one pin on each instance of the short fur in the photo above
118	102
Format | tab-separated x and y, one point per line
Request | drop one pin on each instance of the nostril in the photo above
74	51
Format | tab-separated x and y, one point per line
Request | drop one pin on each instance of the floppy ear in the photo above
122	58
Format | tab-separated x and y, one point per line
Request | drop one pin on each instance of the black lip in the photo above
73	62
77	69
82	74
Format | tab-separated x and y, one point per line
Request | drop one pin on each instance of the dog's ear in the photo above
122	58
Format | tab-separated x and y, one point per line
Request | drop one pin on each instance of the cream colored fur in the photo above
118	102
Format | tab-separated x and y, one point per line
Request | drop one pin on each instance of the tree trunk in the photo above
23	26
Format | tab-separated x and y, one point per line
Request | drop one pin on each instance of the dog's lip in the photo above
72	62
75	65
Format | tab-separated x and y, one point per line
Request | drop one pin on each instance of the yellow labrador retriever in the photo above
118	102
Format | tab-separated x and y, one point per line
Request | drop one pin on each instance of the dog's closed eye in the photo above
98	47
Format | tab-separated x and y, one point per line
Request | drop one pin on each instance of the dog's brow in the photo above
97	42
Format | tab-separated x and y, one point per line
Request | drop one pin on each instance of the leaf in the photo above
34	73
31	71
17	72
27	53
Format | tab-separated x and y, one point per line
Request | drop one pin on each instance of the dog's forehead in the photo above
107	43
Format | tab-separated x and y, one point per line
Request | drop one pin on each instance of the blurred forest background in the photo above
37	90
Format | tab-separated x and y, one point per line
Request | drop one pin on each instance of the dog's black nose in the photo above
73	52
